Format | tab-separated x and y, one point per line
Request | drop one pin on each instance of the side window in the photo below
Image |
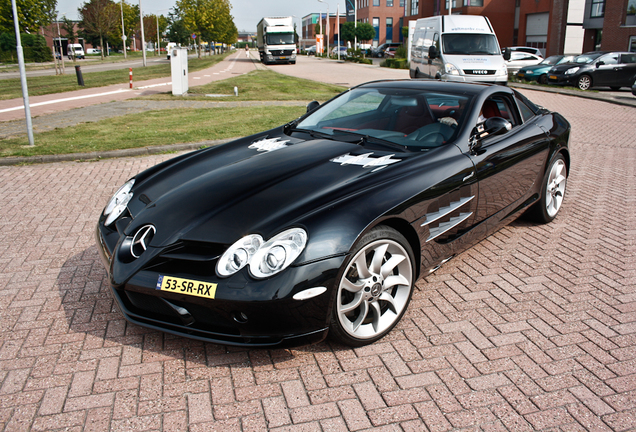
526	112
609	59
498	106
628	58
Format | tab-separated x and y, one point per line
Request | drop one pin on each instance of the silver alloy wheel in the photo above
375	289
555	187
585	82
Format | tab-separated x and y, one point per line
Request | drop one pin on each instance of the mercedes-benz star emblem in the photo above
141	240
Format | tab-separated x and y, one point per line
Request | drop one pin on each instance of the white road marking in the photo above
63	100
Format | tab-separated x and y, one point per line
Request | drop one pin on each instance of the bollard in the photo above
80	78
235	91
130	74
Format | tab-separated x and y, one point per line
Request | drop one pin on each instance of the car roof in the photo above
469	89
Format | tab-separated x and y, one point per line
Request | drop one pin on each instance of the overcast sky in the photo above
246	13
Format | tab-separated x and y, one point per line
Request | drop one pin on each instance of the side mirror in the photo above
312	106
506	54
432	52
600	63
496	126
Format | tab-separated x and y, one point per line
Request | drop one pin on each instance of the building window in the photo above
389	3
473	3
630	19
454	4
401	3
415	7
389	30
376	27
598	9
632	44
376	2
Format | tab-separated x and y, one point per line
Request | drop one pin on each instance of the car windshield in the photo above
280	39
586	58
470	44
414	119
551	60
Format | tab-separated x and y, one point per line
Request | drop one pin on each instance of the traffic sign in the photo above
194	36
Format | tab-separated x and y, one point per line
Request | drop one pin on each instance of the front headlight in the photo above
118	202
451	69
572	70
278	253
238	255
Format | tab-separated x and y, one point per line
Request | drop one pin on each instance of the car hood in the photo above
535	68
565	66
223	193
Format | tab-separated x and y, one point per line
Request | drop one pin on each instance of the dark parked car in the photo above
596	69
539	72
311	50
379	50
326	223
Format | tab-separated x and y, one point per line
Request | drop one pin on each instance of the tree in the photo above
365	32
32	14
99	18
348	32
69	27
209	20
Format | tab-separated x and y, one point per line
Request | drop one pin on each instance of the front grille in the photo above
479	72
282	52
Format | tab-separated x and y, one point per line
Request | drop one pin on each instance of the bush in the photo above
34	48
395	63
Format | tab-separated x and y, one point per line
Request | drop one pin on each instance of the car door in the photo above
605	73
508	165
626	70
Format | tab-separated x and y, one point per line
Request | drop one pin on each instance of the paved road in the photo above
532	329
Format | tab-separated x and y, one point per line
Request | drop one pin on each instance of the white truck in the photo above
276	40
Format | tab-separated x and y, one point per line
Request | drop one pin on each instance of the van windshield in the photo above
470	44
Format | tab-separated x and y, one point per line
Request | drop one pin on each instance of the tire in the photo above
412	74
584	82
552	191
543	79
374	288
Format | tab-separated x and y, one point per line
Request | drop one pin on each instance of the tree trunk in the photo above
101	45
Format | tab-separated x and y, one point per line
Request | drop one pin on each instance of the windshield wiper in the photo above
371	139
311	132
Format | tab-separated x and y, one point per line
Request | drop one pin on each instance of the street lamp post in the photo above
123	33
143	39
59	39
23	80
323	1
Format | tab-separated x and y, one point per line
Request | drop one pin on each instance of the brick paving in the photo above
532	329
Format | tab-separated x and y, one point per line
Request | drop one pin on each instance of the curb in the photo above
79	157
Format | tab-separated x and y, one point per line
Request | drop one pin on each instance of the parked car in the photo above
91	51
342	49
390	52
342	211
596	69
531	50
540	72
379	50
520	59
311	50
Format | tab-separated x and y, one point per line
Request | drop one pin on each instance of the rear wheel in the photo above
584	82
552	191
374	289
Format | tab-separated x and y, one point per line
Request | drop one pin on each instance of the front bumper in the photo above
488	79
244	312
562	79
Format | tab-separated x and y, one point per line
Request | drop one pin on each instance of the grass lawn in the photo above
260	85
153	128
43	85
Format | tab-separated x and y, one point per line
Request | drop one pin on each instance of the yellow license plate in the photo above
521	75
553	77
282	58
186	286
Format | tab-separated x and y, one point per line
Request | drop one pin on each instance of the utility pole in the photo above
59	39
23	81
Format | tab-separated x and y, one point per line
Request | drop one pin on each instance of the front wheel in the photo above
374	288
543	79
584	82
552	191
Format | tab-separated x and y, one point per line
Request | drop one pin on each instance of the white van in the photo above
457	48
76	50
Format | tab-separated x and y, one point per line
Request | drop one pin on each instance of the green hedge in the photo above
34	48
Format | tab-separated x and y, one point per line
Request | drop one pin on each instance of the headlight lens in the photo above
571	70
278	253
451	69
238	255
118	202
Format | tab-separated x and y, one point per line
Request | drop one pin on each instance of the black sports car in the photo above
325	224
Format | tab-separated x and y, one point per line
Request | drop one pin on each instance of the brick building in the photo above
386	16
554	26
309	23
610	25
